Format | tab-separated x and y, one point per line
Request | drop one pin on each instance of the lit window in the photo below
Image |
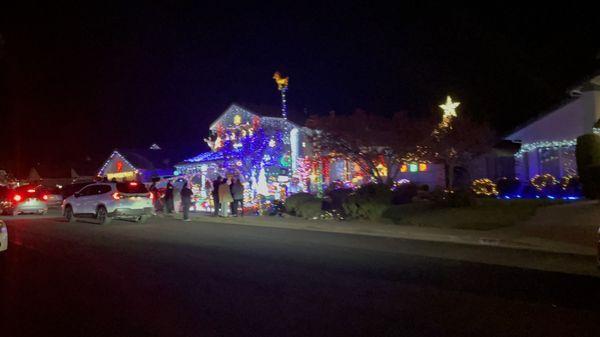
404	168
413	167
422	167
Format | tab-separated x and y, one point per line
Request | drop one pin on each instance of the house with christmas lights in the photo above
138	164
269	153
547	144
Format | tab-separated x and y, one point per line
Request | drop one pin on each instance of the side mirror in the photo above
77	194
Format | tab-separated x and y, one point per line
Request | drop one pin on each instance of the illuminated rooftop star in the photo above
449	108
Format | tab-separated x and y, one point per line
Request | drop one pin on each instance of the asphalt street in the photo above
172	278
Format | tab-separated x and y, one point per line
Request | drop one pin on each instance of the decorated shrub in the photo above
571	186
546	185
484	188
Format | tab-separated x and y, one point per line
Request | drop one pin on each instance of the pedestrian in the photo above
155	200
169	198
215	193
237	192
186	201
225	197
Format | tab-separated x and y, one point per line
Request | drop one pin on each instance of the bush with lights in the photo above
484	188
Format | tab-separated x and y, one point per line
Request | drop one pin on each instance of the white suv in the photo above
3	236
104	201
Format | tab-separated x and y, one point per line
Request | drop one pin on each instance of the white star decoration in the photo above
449	108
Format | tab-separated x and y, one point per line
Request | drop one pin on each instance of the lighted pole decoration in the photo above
282	86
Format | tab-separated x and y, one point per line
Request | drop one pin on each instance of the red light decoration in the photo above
119	166
133	183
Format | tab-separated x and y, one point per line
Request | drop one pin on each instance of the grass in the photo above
487	214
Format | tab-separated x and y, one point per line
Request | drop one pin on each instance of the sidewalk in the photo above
534	235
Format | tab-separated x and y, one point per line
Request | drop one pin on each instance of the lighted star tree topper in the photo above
282	86
449	109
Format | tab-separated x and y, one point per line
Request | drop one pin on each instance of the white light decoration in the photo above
272	142
449	109
528	147
282	86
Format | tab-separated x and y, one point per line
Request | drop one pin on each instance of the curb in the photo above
447	238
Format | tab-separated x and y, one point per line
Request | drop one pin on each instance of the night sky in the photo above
77	81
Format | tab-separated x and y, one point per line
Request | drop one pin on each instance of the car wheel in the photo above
102	215
69	214
143	218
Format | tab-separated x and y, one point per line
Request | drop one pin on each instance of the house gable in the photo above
234	115
116	163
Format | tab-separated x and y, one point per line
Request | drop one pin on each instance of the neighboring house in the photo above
548	143
138	164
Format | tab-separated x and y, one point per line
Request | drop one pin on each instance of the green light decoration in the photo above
413	167
286	160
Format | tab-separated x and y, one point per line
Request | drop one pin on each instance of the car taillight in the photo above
31	191
116	196
45	197
151	195
17	198
133	183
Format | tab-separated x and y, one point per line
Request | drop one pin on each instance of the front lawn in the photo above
487	214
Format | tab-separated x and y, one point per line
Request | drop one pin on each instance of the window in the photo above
90	190
132	187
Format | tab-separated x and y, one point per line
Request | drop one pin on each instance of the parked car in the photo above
24	199
69	190
54	194
3	236
109	200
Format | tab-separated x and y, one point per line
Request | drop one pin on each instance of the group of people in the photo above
228	196
169	199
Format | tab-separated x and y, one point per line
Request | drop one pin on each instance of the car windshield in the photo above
132	187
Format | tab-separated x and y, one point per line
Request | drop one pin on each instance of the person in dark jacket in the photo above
169	198
186	201
237	192
215	194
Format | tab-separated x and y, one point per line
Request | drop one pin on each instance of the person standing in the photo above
155	201
215	193
186	201
169	198
225	196
237	192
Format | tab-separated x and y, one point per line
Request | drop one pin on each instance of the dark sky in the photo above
80	80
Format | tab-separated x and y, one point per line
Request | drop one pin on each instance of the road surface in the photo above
172	278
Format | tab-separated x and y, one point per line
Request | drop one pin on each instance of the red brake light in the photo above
17	198
116	196
133	183
31	190
45	197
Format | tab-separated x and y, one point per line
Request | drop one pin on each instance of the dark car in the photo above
24	199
